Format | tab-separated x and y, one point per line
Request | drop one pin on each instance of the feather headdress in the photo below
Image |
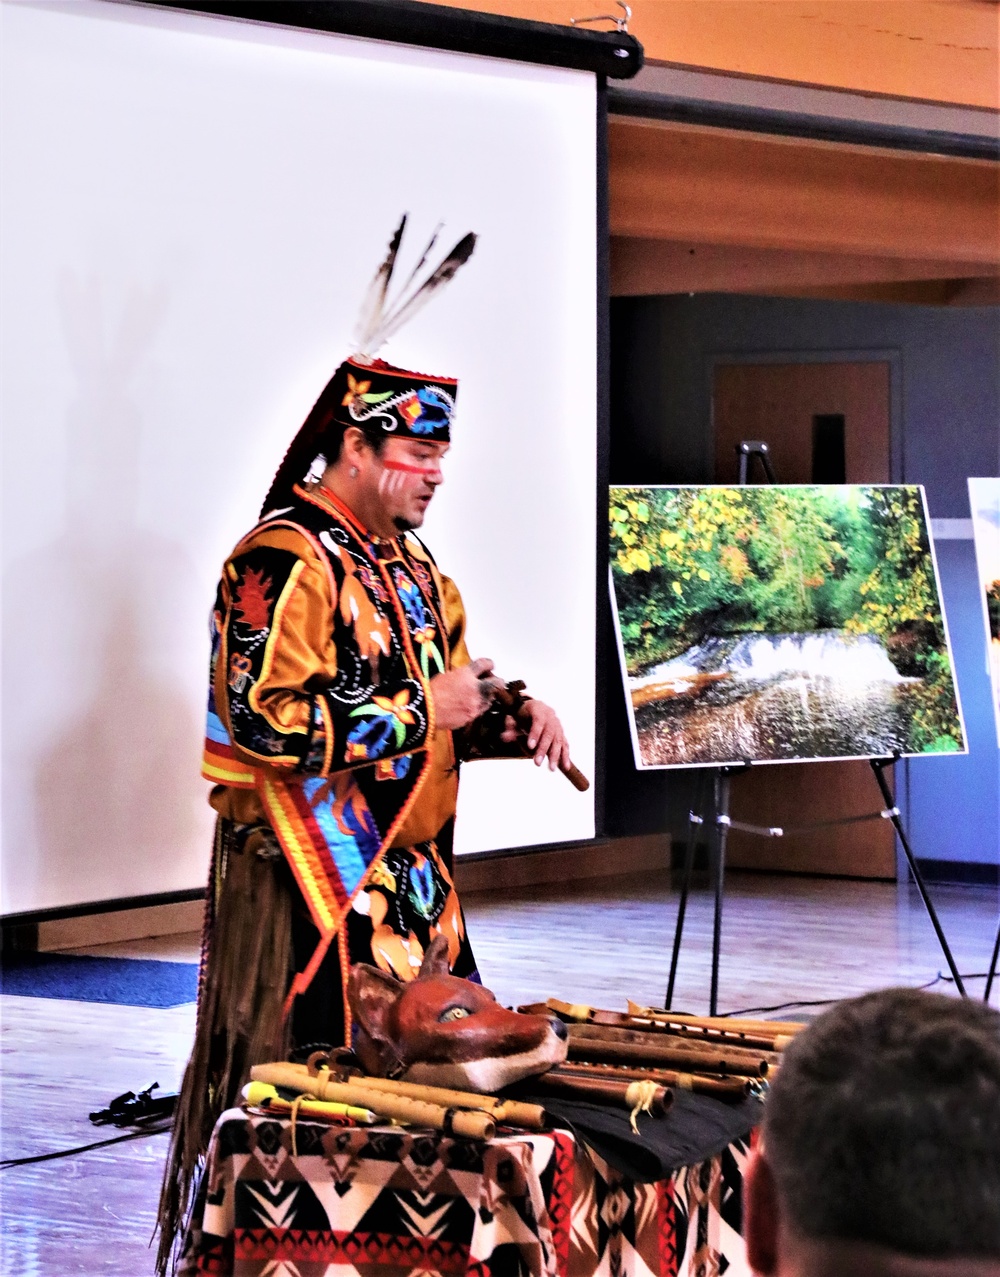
380	398
380	317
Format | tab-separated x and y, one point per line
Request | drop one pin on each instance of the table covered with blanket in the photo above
387	1201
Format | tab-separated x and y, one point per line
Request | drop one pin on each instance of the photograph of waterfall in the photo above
780	623
984	499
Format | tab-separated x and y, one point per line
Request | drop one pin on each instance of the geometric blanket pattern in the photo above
388	1202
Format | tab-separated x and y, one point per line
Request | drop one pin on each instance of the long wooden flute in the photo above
727	1024
402	1108
763	1041
711	1059
508	1112
619	1092
703	1048
730	1087
620	1019
580	1012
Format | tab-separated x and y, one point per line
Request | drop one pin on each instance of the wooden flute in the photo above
768	1035
692	1032
708	1059
730	1087
508	1112
706	1047
619	1092
478	1125
726	1024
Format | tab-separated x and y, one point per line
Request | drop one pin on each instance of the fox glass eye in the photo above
453	1013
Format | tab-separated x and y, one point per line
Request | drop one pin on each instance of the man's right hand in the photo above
462	695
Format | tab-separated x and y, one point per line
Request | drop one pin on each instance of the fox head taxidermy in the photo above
438	1030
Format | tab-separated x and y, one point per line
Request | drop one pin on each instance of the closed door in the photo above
823	423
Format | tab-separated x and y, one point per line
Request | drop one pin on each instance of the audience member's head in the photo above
880	1154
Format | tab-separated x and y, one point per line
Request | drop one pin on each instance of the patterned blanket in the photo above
387	1202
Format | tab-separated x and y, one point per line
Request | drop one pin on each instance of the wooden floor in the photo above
784	939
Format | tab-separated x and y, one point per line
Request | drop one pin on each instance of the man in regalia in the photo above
340	691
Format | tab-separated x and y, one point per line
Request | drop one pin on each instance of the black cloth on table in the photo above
695	1128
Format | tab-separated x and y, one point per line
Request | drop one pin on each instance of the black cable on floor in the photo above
828	1002
781	1006
85	1148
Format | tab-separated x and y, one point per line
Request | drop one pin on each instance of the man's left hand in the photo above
546	738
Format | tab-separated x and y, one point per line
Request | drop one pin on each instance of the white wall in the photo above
192	210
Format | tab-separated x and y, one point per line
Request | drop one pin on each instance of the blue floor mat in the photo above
131	982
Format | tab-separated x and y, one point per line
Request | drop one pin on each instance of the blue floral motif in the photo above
424	889
370	738
435	412
362	826
401	766
412	600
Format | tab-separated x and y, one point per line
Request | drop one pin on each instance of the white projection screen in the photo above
192	210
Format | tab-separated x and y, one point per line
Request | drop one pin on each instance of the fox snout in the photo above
442	1031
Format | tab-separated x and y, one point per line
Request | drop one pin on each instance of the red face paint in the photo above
400	465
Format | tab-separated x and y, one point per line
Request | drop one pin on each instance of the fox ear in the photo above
435	958
372	994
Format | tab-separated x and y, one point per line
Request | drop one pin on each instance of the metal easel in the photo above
990	975
722	823
720	820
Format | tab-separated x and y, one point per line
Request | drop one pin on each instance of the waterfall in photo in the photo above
765	697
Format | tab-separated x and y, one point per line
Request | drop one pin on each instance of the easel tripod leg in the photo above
878	765
993	965
693	819
722	783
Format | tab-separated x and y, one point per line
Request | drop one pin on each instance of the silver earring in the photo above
354	472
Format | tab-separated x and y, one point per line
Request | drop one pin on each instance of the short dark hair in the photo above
883	1125
331	443
321	435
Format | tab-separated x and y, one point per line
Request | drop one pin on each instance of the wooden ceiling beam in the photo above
644	267
708	186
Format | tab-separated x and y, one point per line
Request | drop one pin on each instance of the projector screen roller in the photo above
193	209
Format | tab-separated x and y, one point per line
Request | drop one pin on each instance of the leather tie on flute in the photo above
401	1108
703	1048
731	1087
709	1059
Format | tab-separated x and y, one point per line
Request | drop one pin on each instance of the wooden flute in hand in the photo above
508	700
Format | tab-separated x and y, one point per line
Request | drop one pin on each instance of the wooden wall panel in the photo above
777	403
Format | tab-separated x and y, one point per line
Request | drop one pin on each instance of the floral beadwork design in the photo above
359	394
420	621
383	719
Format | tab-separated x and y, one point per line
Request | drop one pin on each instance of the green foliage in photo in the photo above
993	609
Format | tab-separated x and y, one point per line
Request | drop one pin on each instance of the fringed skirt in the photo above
257	934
